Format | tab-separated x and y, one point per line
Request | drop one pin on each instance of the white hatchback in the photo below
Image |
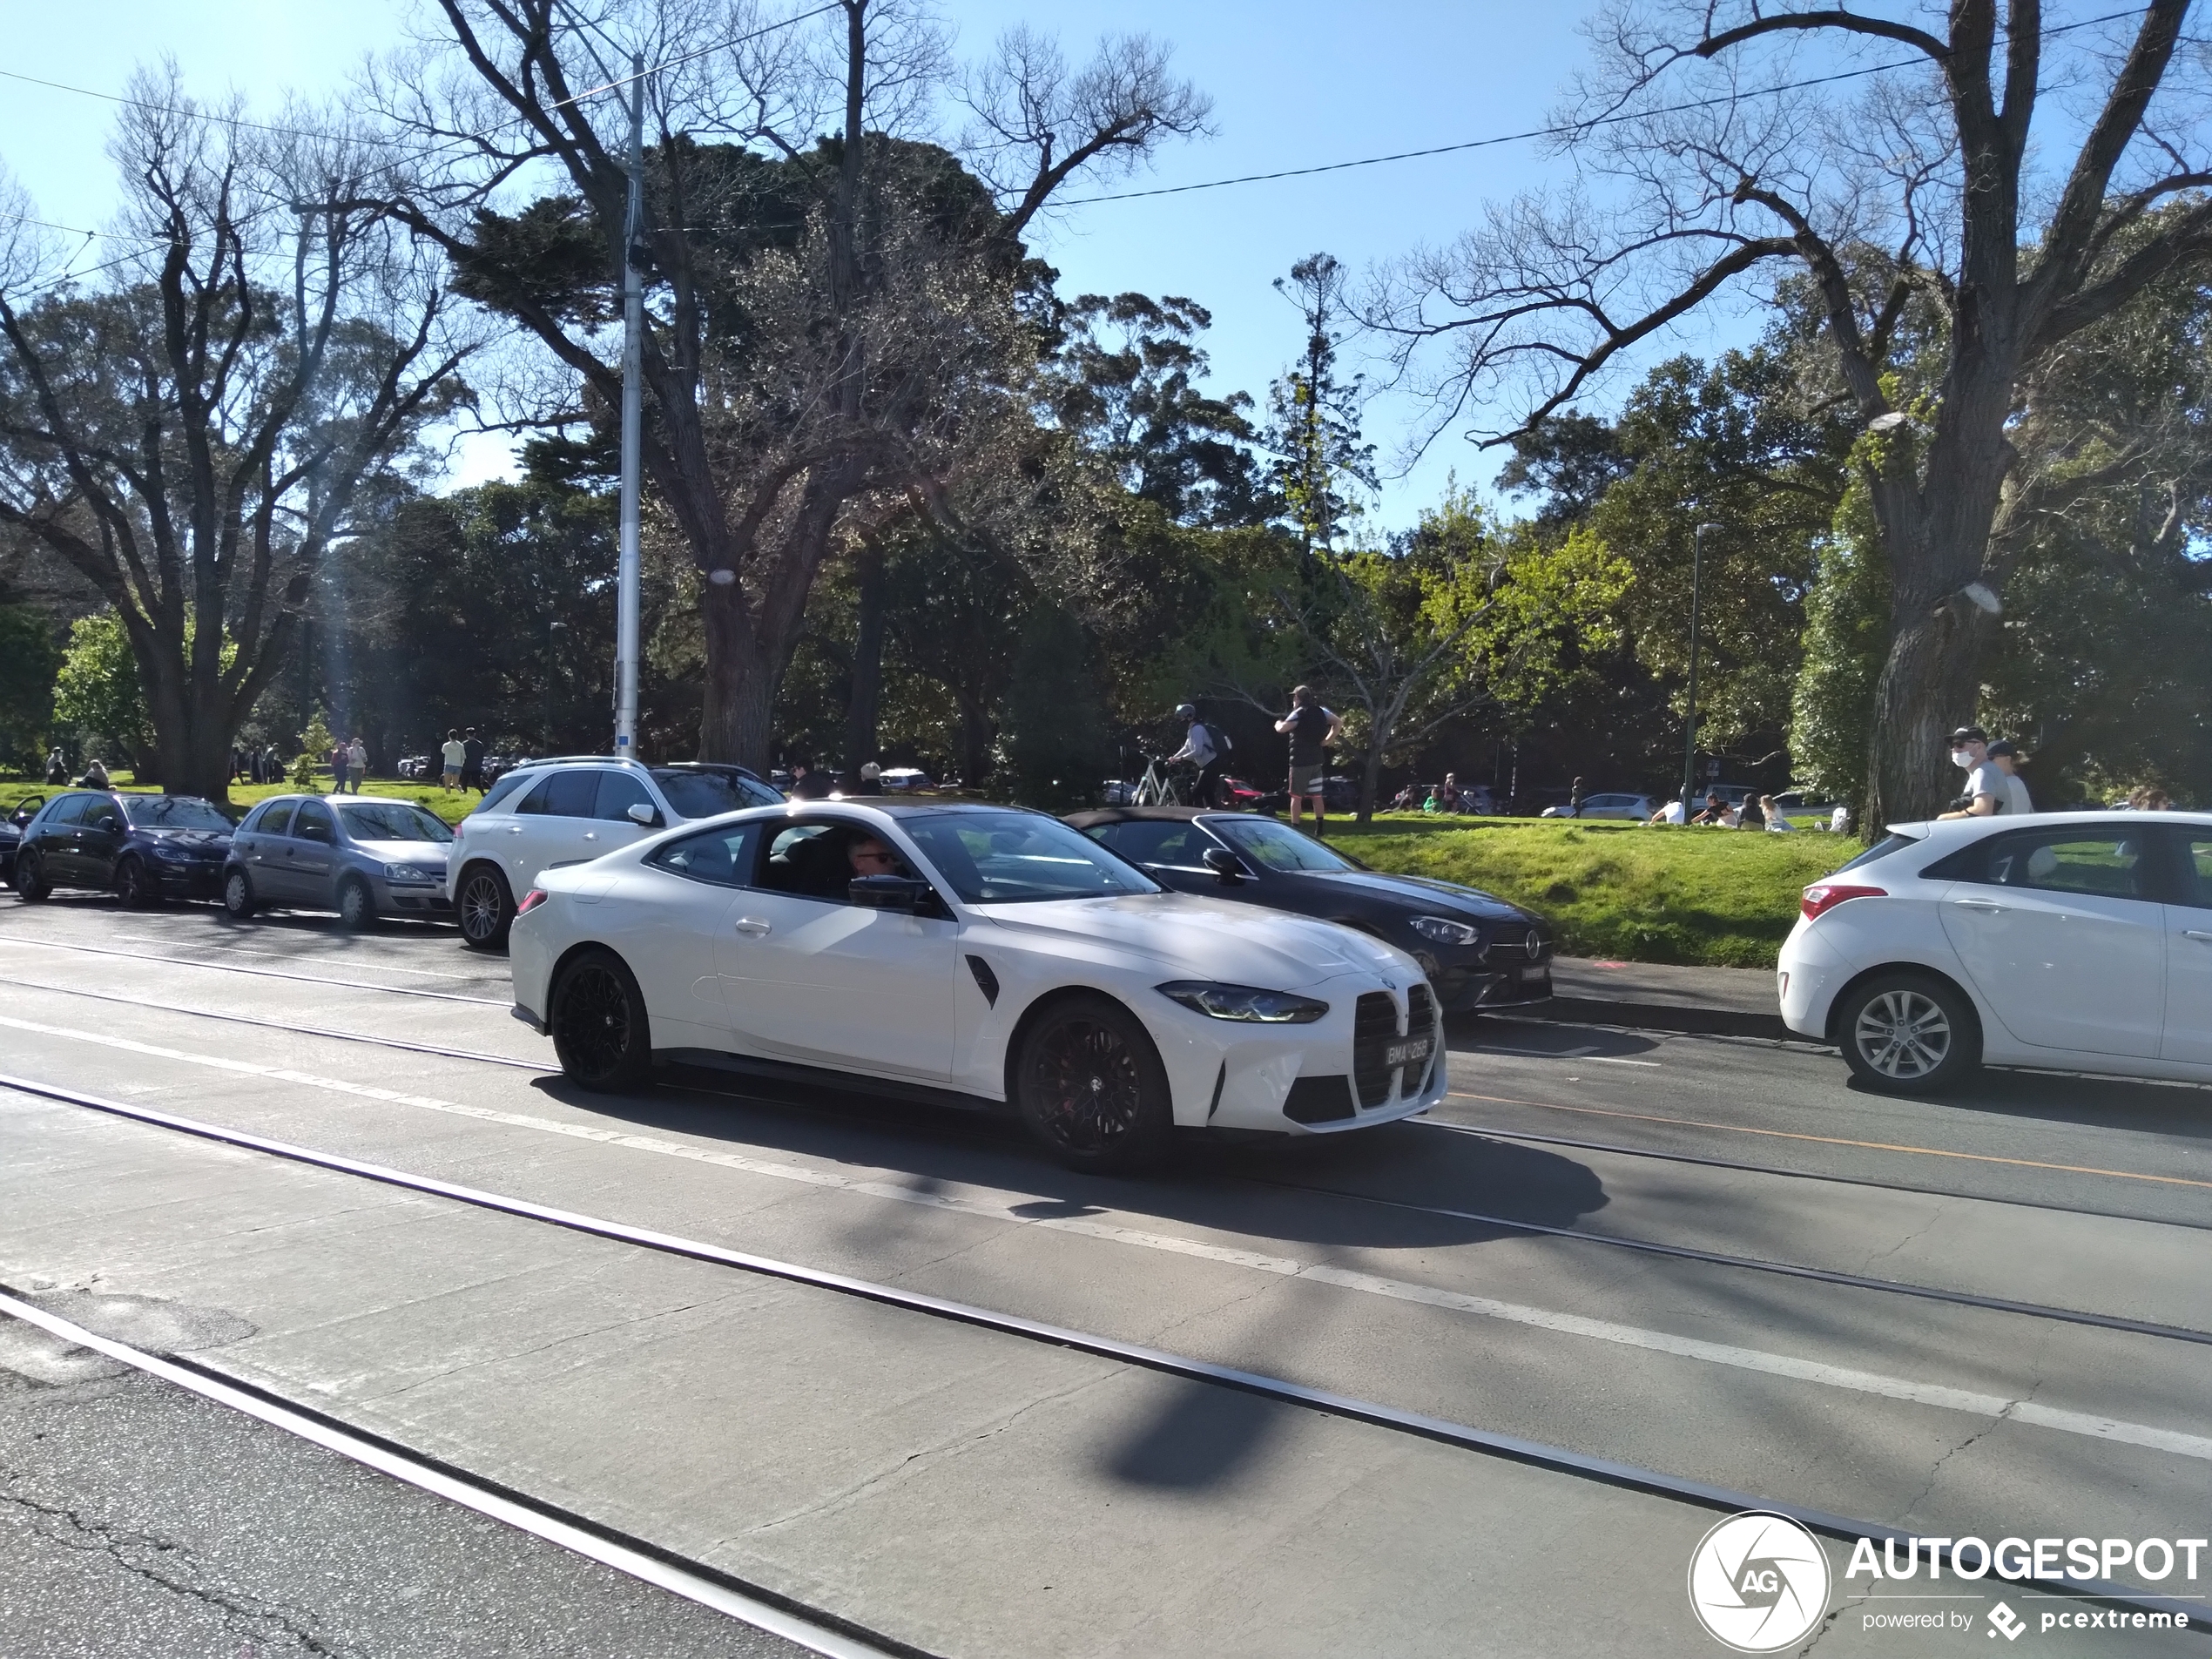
974	955
2078	941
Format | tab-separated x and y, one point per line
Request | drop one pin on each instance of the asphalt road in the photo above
965	1491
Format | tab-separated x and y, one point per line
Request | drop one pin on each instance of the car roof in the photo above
1132	815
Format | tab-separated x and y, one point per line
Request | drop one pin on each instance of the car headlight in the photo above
162	849
410	874
1247	1003
1442	930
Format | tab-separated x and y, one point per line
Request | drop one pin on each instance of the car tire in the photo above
30	884
356	904
1907	1034
134	888
485	908
237	895
1089	1085
601	1030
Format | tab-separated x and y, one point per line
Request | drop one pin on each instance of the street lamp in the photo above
1690	734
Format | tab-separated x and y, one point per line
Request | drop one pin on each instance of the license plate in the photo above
1407	1051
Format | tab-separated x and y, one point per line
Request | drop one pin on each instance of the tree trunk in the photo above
975	743
1370	779
736	716
862	711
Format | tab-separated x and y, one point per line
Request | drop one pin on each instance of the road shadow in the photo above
2133	1104
1474	1033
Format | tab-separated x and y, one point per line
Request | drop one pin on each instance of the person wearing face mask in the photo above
1986	793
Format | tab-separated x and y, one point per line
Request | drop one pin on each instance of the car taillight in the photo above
1824	896
531	900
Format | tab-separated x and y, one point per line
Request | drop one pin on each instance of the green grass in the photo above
452	805
1727	898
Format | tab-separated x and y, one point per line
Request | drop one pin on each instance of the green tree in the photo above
29	662
1313	415
1846	636
98	691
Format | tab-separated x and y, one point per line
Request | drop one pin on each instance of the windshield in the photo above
1277	846
392	820
1014	857
1881	849
701	794
173	813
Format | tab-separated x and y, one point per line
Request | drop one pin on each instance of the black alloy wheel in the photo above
1089	1085
237	895
487	907
356	906
1907	1034
31	881
134	887
599	1025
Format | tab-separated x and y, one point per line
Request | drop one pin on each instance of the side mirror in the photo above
1225	864
109	823
903	892
642	814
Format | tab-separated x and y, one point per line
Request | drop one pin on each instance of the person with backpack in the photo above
1206	747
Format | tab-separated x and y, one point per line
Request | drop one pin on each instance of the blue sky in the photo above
1295	83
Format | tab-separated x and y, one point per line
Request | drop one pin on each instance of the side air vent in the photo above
986	981
1319	1100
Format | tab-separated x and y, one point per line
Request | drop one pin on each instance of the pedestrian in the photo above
472	761
452	758
95	775
1448	799
1671	814
1206	747
2006	759
57	767
1985	795
1716	811
2149	797
871	780
807	784
1839	820
1311	728
356	765
1575	799
1777	821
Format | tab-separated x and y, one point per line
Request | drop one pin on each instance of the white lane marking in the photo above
263	973
1003	1206
230	949
1564	1053
635	1563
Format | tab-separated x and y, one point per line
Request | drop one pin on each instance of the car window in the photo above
275	818
563	794
709	794
1150	841
2196	870
722	857
68	810
392	820
173	812
618	793
100	812
1276	846
2068	862
314	823
502	792
814	861
1890	843
1012	857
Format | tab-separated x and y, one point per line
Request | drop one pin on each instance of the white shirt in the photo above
1839	820
2016	798
456	754
1779	826
1673	810
1197	745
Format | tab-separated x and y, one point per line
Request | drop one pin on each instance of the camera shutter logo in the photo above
1758	1582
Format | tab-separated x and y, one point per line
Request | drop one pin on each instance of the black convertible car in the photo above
1479	951
144	848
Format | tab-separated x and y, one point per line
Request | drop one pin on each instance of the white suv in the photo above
570	810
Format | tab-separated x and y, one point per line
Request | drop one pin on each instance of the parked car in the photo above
362	856
414	766
905	780
569	810
988	955
1478	950
2075	941
1633	809
12	832
145	848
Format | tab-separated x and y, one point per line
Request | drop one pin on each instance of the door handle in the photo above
591	835
2201	938
1982	905
752	928
514	829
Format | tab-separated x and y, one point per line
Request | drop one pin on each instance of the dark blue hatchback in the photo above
144	849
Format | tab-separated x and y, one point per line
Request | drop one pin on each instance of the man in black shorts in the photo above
1309	726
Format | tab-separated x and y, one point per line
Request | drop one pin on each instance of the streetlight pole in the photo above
633	329
1690	733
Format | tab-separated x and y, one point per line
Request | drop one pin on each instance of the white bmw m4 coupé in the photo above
980	954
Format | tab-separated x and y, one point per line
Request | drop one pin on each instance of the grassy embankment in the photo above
1722	897
1725	897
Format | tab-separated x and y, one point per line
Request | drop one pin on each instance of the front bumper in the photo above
1463	990
188	877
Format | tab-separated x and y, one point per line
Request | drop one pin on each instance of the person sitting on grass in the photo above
1671	814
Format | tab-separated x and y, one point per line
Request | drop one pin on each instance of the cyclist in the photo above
1205	749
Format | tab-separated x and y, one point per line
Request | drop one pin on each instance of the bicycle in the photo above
1157	787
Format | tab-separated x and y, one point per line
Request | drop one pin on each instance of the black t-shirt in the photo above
1308	726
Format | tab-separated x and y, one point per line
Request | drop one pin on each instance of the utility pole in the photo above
1689	736
633	352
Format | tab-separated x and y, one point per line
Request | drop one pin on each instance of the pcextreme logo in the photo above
1758	1582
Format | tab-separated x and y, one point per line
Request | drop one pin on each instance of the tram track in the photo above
1650	1247
1466	1437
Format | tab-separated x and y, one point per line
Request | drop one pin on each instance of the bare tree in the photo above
1725	140
790	379
193	436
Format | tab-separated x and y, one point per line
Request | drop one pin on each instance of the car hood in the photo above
204	842
1420	890
1190	938
404	852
